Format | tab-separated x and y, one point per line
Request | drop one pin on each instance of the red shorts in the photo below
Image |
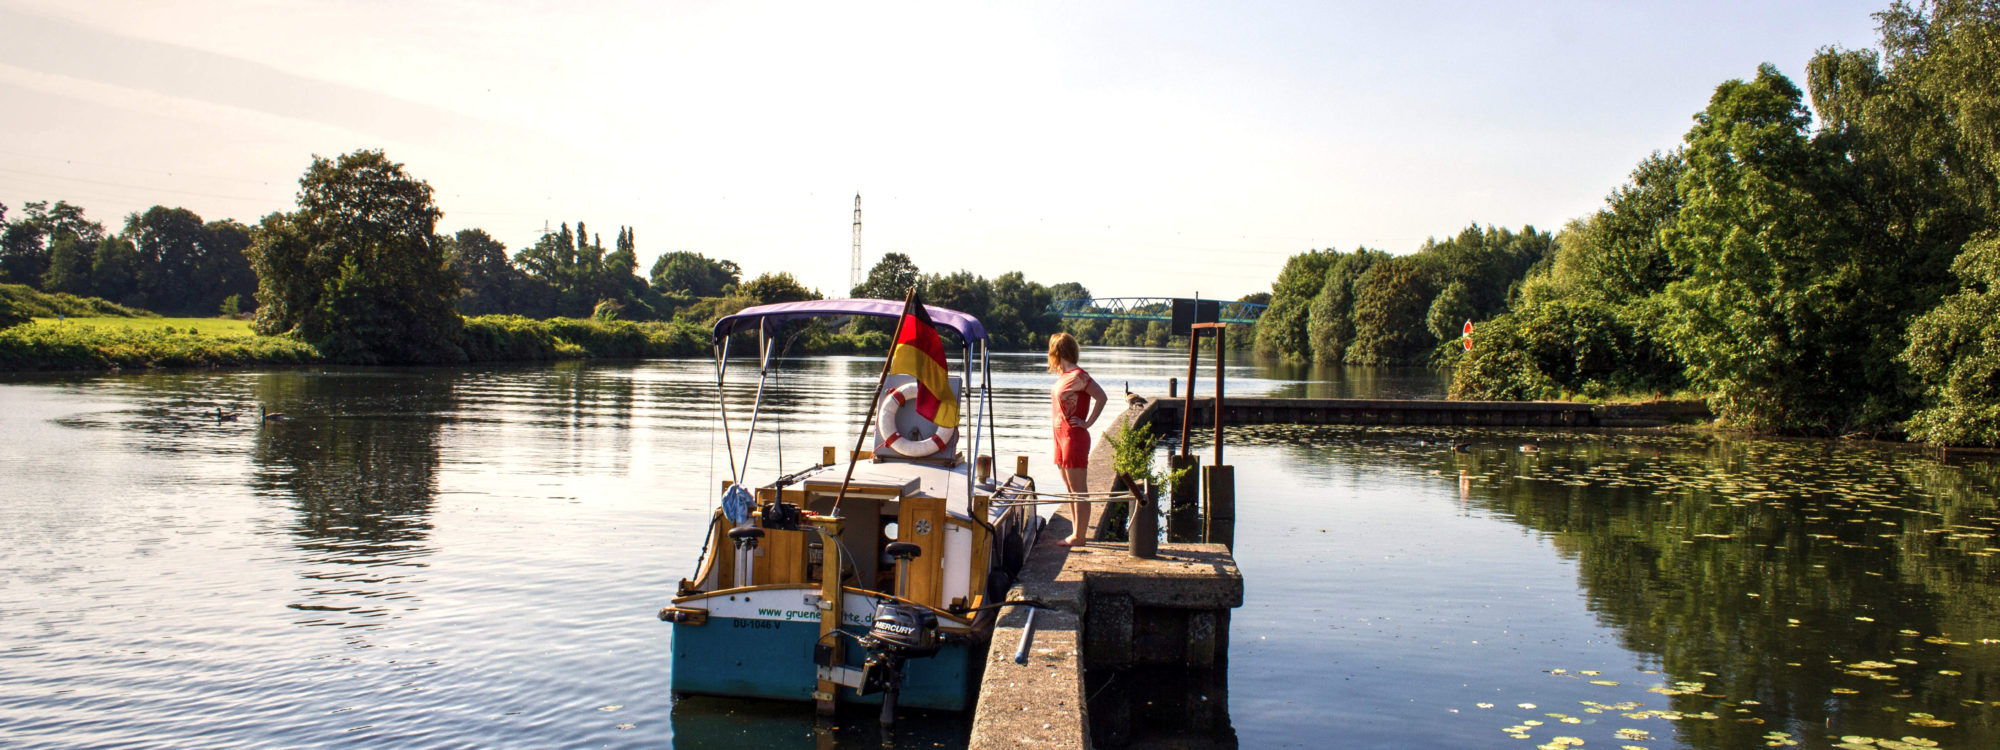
1072	447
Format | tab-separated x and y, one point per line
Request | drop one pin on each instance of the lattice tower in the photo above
854	278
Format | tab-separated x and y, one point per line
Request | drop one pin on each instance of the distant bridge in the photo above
1149	308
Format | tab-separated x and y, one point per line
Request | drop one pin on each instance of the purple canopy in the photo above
967	327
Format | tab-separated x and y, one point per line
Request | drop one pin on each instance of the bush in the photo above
1955	349
10	315
40	304
1559	347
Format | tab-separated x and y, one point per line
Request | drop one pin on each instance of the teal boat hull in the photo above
753	658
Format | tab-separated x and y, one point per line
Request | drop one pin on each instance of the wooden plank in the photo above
781	557
982	547
921	522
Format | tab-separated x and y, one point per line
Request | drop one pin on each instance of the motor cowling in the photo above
902	631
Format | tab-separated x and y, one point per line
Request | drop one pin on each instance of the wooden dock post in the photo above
1143	534
1221	496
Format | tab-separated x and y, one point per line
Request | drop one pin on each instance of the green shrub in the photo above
1559	347
1955	349
10	315
41	304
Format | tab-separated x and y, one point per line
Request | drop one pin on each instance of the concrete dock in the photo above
1165	618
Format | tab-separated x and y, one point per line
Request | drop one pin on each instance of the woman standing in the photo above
1074	402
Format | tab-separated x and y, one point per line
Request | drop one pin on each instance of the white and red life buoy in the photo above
915	445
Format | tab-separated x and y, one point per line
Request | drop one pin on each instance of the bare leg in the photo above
1077	480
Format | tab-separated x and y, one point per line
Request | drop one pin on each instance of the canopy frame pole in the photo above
868	413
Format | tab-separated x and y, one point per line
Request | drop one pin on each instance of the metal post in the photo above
1218	394
1221	481
1187	405
1144	531
1184	517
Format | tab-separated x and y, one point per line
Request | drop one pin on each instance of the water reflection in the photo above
356	457
1807	588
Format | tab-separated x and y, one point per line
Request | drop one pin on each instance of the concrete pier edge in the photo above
1041	703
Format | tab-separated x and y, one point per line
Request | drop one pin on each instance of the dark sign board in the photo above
1188	312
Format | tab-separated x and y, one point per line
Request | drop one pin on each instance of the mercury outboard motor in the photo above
897	633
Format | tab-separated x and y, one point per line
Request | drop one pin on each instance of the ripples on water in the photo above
1692	591
433	558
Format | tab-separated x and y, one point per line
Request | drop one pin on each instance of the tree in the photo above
223	270
1330	318
488	281
777	287
890	278
1942	55
69	267
358	269
963	291
1020	314
1449	312
114	269
1955	349
25	243
1768	319
170	249
694	275
1616	253
1390	302
1282	331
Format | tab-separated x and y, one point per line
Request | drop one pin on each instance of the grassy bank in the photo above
125	343
117	343
512	338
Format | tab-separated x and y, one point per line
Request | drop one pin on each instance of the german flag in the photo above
919	353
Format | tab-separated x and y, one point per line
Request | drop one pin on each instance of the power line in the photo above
129	186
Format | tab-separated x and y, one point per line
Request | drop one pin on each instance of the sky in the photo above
1141	148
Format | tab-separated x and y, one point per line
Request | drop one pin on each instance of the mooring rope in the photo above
1102	501
1038	493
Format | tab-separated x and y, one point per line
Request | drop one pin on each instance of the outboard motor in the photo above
897	633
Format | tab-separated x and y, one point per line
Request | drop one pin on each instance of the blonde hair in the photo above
1062	347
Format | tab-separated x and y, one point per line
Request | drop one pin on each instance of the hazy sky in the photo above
1142	148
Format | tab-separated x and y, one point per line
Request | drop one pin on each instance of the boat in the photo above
870	578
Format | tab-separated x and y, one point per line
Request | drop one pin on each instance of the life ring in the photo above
911	446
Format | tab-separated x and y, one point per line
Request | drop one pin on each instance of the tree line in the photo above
1368	307
359	271
1825	269
166	259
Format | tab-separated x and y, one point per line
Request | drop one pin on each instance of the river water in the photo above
474	557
